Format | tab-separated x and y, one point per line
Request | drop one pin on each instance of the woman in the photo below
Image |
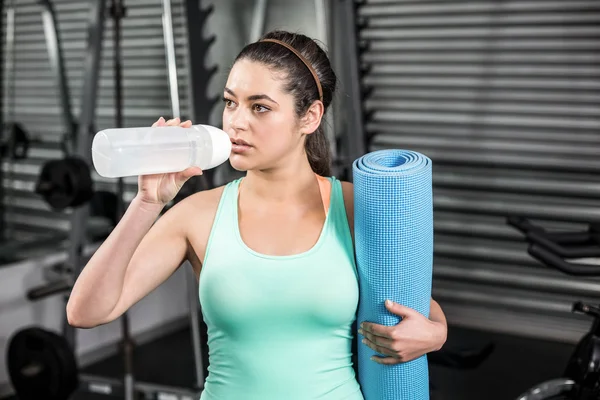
273	251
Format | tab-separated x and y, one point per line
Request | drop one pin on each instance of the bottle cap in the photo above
101	150
221	146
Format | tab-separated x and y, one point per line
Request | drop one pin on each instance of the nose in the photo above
238	120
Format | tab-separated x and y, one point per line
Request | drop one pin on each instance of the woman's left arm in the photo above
436	314
415	335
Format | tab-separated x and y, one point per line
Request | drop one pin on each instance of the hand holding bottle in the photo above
164	156
159	189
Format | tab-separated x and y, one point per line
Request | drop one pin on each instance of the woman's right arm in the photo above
138	256
140	253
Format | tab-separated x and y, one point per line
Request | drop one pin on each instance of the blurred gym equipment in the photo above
61	183
574	253
45	359
38	357
14	140
41	365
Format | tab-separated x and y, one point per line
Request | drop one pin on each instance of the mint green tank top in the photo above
279	327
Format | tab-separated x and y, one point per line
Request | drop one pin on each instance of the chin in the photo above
240	164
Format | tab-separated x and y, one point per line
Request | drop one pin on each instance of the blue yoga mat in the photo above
393	212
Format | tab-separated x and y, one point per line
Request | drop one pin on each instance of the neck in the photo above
291	182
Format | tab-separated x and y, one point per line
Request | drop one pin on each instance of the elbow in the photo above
77	319
442	339
74	318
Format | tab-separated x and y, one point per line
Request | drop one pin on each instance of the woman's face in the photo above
259	117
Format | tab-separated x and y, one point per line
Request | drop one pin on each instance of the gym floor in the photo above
516	364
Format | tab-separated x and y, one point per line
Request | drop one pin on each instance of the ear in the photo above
312	119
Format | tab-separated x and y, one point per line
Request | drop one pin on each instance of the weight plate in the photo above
41	365
65	183
68	365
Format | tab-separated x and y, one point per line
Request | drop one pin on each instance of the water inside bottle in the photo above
145	151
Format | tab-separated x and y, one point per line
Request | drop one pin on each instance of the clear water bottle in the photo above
125	152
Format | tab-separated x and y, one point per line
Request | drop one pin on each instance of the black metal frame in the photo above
199	76
353	140
2	77
56	58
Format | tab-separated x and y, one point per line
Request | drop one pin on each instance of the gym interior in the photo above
502	96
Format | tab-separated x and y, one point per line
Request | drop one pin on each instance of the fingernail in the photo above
360	331
388	302
364	341
362	324
161	119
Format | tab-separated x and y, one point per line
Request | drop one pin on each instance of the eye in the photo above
228	102
260	108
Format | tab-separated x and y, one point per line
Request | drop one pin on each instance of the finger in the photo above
386	360
174	122
378	340
377	329
186	124
399	309
159	122
380	345
187	173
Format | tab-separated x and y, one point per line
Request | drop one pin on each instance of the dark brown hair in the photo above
300	83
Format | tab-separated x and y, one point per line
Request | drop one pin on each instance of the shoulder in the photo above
195	212
347	187
198	204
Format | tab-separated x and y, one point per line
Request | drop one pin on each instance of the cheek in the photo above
273	133
226	120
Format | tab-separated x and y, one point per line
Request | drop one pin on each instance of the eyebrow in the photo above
253	97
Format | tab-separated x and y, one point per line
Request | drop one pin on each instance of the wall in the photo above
230	22
503	97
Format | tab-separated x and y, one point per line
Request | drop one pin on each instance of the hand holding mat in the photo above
393	213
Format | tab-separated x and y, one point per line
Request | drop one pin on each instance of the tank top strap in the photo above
339	215
325	188
222	226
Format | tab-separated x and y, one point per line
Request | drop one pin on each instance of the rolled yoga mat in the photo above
393	225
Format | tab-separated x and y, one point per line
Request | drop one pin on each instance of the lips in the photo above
239	146
240	142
